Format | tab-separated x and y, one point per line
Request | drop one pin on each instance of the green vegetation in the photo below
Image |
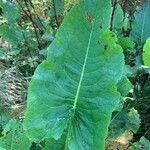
74	75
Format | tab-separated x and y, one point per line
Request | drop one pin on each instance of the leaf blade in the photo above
79	57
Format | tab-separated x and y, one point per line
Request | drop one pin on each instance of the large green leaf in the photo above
74	91
140	29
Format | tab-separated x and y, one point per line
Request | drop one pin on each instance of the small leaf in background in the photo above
57	7
47	37
146	53
126	43
9	126
125	120
143	144
129	71
146	68
140	28
118	17
14	137
11	33
3	53
10	11
126	22
4	114
124	86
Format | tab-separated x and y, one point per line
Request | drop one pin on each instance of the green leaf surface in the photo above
146	53
4	112
126	22
124	86
2	148
3	52
126	120
52	144
57	8
11	33
118	17
126	43
142	144
10	11
4	115
74	91
140	28
14	137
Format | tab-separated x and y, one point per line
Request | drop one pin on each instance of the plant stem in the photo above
34	26
32	5
55	13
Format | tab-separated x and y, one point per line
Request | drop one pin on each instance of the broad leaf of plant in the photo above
146	53
140	29
74	91
14	137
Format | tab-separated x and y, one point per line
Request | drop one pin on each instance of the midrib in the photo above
83	69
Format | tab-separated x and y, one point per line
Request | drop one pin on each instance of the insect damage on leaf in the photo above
109	39
89	17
